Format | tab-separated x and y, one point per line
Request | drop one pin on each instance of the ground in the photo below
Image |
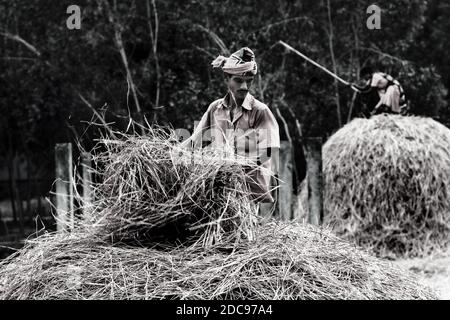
433	271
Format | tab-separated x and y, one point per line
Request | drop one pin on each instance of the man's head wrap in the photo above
239	63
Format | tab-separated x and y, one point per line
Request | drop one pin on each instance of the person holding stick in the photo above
390	97
241	122
390	94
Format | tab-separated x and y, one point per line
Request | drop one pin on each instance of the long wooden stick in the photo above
314	63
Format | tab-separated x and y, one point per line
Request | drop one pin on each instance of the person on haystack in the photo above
243	123
382	92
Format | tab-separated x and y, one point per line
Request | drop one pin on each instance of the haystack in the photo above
151	190
387	184
171	223
284	261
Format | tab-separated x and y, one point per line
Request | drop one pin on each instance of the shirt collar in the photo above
246	104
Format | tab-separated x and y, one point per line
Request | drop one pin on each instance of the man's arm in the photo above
362	89
375	109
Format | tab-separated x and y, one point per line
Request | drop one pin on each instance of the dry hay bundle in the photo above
152	190
387	184
285	261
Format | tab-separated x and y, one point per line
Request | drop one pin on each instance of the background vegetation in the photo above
151	58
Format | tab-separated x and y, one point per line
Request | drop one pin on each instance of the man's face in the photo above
239	85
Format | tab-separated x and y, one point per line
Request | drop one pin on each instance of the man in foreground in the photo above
241	123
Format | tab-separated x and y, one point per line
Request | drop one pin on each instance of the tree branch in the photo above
358	68
120	47
29	46
384	54
281	22
219	42
209	54
285	124
95	112
333	60
154	39
18	58
16	37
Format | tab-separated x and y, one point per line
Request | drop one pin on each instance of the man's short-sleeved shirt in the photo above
252	130
378	81
252	121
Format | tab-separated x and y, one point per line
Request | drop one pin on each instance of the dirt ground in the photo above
433	271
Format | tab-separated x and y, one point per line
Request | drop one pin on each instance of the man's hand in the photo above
354	87
375	109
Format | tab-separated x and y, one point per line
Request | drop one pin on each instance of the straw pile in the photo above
285	261
165	225
153	191
387	184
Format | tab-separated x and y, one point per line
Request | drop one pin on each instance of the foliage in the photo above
39	93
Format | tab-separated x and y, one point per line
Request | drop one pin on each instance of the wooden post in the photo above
285	190
64	191
315	183
87	180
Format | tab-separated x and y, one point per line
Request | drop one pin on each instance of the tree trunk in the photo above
118	41
154	40
333	59
358	68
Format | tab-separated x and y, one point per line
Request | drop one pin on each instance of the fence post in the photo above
64	191
285	175
315	181
87	180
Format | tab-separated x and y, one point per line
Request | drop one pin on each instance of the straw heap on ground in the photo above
151	190
285	261
164	226
387	184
